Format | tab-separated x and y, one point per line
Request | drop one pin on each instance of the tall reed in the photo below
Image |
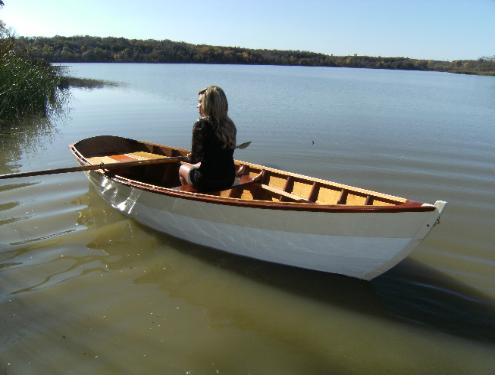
26	86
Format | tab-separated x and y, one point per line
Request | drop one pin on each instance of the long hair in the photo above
214	107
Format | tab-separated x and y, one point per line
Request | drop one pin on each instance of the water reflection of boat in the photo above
268	214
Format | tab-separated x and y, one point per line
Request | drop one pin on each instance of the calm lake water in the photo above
85	290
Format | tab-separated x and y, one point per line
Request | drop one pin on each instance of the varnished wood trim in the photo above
261	177
330	184
403	206
315	190
293	206
289	185
343	196
324	183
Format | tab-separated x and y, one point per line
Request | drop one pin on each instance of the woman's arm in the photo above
198	139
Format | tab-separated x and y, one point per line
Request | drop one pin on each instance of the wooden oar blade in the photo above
243	145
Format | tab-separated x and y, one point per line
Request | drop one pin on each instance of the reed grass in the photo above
27	86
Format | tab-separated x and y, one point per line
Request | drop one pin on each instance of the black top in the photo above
217	169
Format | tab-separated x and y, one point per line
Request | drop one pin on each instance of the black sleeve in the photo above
198	141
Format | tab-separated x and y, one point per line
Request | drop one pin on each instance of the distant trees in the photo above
95	49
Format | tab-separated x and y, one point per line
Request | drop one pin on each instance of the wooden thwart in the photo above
240	182
120	158
284	193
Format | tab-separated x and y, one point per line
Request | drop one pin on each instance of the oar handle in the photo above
92	167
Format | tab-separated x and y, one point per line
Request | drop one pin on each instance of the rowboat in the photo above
267	214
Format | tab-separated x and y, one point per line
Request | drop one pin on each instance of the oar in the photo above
93	167
243	145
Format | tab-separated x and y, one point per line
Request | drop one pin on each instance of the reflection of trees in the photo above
19	137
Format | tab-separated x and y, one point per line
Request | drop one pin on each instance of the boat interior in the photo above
254	182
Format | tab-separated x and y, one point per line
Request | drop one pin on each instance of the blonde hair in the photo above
214	107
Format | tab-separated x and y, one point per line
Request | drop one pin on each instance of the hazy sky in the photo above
431	29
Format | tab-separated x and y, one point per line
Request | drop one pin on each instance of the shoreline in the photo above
109	83
88	49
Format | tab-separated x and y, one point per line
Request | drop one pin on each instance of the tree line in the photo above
94	49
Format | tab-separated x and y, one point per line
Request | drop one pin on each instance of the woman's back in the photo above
217	161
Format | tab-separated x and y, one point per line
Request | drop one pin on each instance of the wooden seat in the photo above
238	182
119	158
284	194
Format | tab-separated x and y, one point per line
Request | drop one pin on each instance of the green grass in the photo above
29	87
26	86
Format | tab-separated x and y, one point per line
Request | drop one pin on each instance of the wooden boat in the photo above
267	214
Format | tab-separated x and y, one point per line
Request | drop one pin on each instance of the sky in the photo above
425	29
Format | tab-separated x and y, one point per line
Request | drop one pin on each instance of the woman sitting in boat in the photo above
211	161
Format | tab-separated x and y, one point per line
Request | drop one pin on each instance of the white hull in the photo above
357	244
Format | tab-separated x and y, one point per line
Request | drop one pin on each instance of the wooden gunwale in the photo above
402	206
